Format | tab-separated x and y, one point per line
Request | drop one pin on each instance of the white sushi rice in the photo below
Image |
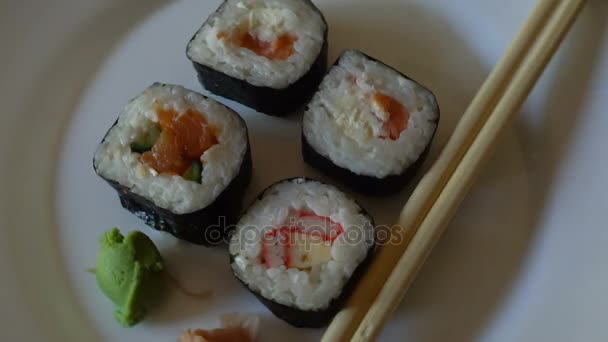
115	161
266	20
312	289
343	125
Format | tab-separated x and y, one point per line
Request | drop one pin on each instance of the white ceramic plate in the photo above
524	259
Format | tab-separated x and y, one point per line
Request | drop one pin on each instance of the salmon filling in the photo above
234	334
305	241
279	49
183	140
396	114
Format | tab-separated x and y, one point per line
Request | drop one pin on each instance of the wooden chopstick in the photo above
347	321
419	204
457	186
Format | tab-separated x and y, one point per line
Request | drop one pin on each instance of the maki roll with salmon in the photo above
300	248
368	125
179	161
269	55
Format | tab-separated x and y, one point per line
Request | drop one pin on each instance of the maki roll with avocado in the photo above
300	248
179	161
368	125
269	55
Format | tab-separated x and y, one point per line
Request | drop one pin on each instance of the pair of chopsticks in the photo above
439	193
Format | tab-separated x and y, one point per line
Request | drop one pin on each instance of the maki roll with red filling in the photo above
368	125
300	248
269	55
179	161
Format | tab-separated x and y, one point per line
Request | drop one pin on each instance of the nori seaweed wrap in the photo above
369	126
269	55
179	161
300	248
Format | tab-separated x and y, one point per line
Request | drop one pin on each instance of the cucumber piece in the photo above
193	173
146	141
139	147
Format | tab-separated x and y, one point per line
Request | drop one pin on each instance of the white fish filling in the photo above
266	20
344	124
315	287
114	159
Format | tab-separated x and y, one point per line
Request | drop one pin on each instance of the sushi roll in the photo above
368	125
179	161
300	248
269	55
